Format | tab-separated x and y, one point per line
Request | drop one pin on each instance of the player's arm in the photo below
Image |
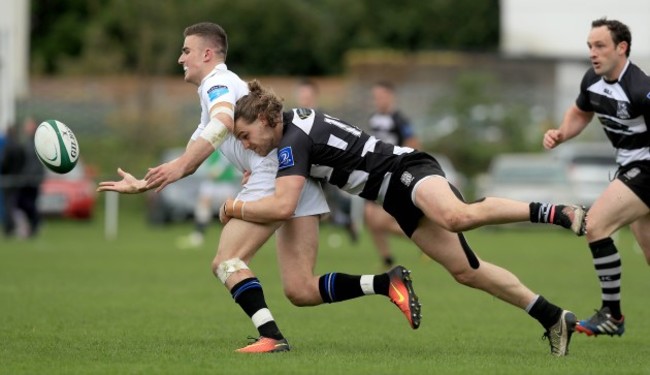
574	122
209	139
277	207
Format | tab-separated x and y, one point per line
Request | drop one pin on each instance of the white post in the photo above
7	103
111	213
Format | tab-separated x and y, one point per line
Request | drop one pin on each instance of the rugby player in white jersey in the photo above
411	187
203	60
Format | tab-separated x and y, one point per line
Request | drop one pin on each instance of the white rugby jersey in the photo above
623	108
222	85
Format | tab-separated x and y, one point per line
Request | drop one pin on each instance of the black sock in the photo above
541	212
249	295
381	284
545	312
337	287
607	263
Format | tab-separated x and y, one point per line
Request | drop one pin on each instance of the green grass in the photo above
72	302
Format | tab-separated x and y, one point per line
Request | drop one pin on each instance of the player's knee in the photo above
466	277
296	297
299	294
596	231
457	220
224	269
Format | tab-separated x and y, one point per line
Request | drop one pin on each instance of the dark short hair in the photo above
211	32
619	31
385	85
308	83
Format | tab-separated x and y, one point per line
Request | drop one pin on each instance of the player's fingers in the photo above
162	186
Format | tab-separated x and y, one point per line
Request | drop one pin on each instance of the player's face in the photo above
606	58
256	136
306	97
383	99
192	59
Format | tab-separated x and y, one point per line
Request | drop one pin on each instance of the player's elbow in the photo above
284	210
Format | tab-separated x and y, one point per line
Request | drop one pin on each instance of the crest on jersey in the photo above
217	91
648	95
621	111
303	113
406	178
285	158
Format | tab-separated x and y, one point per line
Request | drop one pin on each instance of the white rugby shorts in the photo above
261	183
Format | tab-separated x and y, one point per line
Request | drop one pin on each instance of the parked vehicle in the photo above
70	195
528	177
591	168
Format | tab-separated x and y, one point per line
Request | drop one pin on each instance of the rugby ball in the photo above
56	146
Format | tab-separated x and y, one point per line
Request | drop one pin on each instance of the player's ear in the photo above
262	119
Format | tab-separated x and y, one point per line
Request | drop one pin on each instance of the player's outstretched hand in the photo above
128	184
163	175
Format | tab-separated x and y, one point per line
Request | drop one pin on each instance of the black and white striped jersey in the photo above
321	146
393	127
623	108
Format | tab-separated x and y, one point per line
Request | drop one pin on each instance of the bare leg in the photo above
445	248
641	230
241	239
438	202
297	248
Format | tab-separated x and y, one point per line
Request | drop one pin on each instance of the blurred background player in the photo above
390	125
340	202
222	182
13	161
33	173
22	177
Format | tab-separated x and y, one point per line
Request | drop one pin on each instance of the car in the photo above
528	177
71	195
177	201
591	168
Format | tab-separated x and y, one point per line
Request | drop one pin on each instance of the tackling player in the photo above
410	185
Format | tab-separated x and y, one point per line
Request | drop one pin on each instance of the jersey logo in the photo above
406	178
648	95
629	175
621	111
217	91
285	158
303	113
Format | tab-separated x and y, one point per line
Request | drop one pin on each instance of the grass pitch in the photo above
72	302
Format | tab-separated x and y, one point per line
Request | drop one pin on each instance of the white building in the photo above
14	58
558	29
